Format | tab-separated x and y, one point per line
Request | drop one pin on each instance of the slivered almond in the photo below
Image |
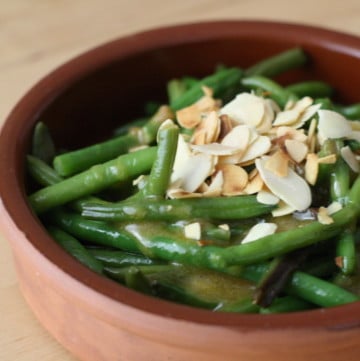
307	114
296	150
289	104
286	188
235	179
255	185
333	125
224	226
303	104
246	108
193	231
333	208
328	159
258	231
268	118
350	158
323	216
266	197
238	138
311	168
189	117
278	163
183	154
206	104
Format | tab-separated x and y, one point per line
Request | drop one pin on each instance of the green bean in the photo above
276	91
354	145
287	304
75	248
326	103
159	178
42	144
351	112
76	161
93	180
219	82
242	306
175	89
41	172
318	291
189	81
346	253
100	233
136	280
220	208
129	127
116	258
313	89
340	182
278	63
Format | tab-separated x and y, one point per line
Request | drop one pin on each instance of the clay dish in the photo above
97	319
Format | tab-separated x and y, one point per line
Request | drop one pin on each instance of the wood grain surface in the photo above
38	35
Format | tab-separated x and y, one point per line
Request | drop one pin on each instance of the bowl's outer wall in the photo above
81	102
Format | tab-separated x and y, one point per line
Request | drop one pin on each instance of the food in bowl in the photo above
239	195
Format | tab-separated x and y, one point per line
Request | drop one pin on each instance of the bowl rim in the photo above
41	94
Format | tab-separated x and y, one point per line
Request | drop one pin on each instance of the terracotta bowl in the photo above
97	319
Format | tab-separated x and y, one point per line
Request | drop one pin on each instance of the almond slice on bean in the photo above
255	185
189	117
333	208
193	231
297	150
323	216
258	231
266	197
287	188
178	193
216	185
311	168
283	209
328	159
350	158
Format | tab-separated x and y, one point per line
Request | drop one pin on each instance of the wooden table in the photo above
38	35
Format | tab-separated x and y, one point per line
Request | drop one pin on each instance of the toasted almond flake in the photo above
289	104
253	173
224	226
138	180
216	183
339	261
189	117
225	126
309	113
278	163
256	149
214	149
255	185
198	169
183	154
328	159
199	137
266	122
350	158
246	108
333	208
235	179
333	125
355	134
258	231
238	137
177	193
266	197
311	168
207	91
206	104
286	188
193	231
323	216
291	133
296	150
283	209
303	104
286	117
208	129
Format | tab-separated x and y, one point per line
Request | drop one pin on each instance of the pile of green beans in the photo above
134	234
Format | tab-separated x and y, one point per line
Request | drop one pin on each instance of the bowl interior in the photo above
85	99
